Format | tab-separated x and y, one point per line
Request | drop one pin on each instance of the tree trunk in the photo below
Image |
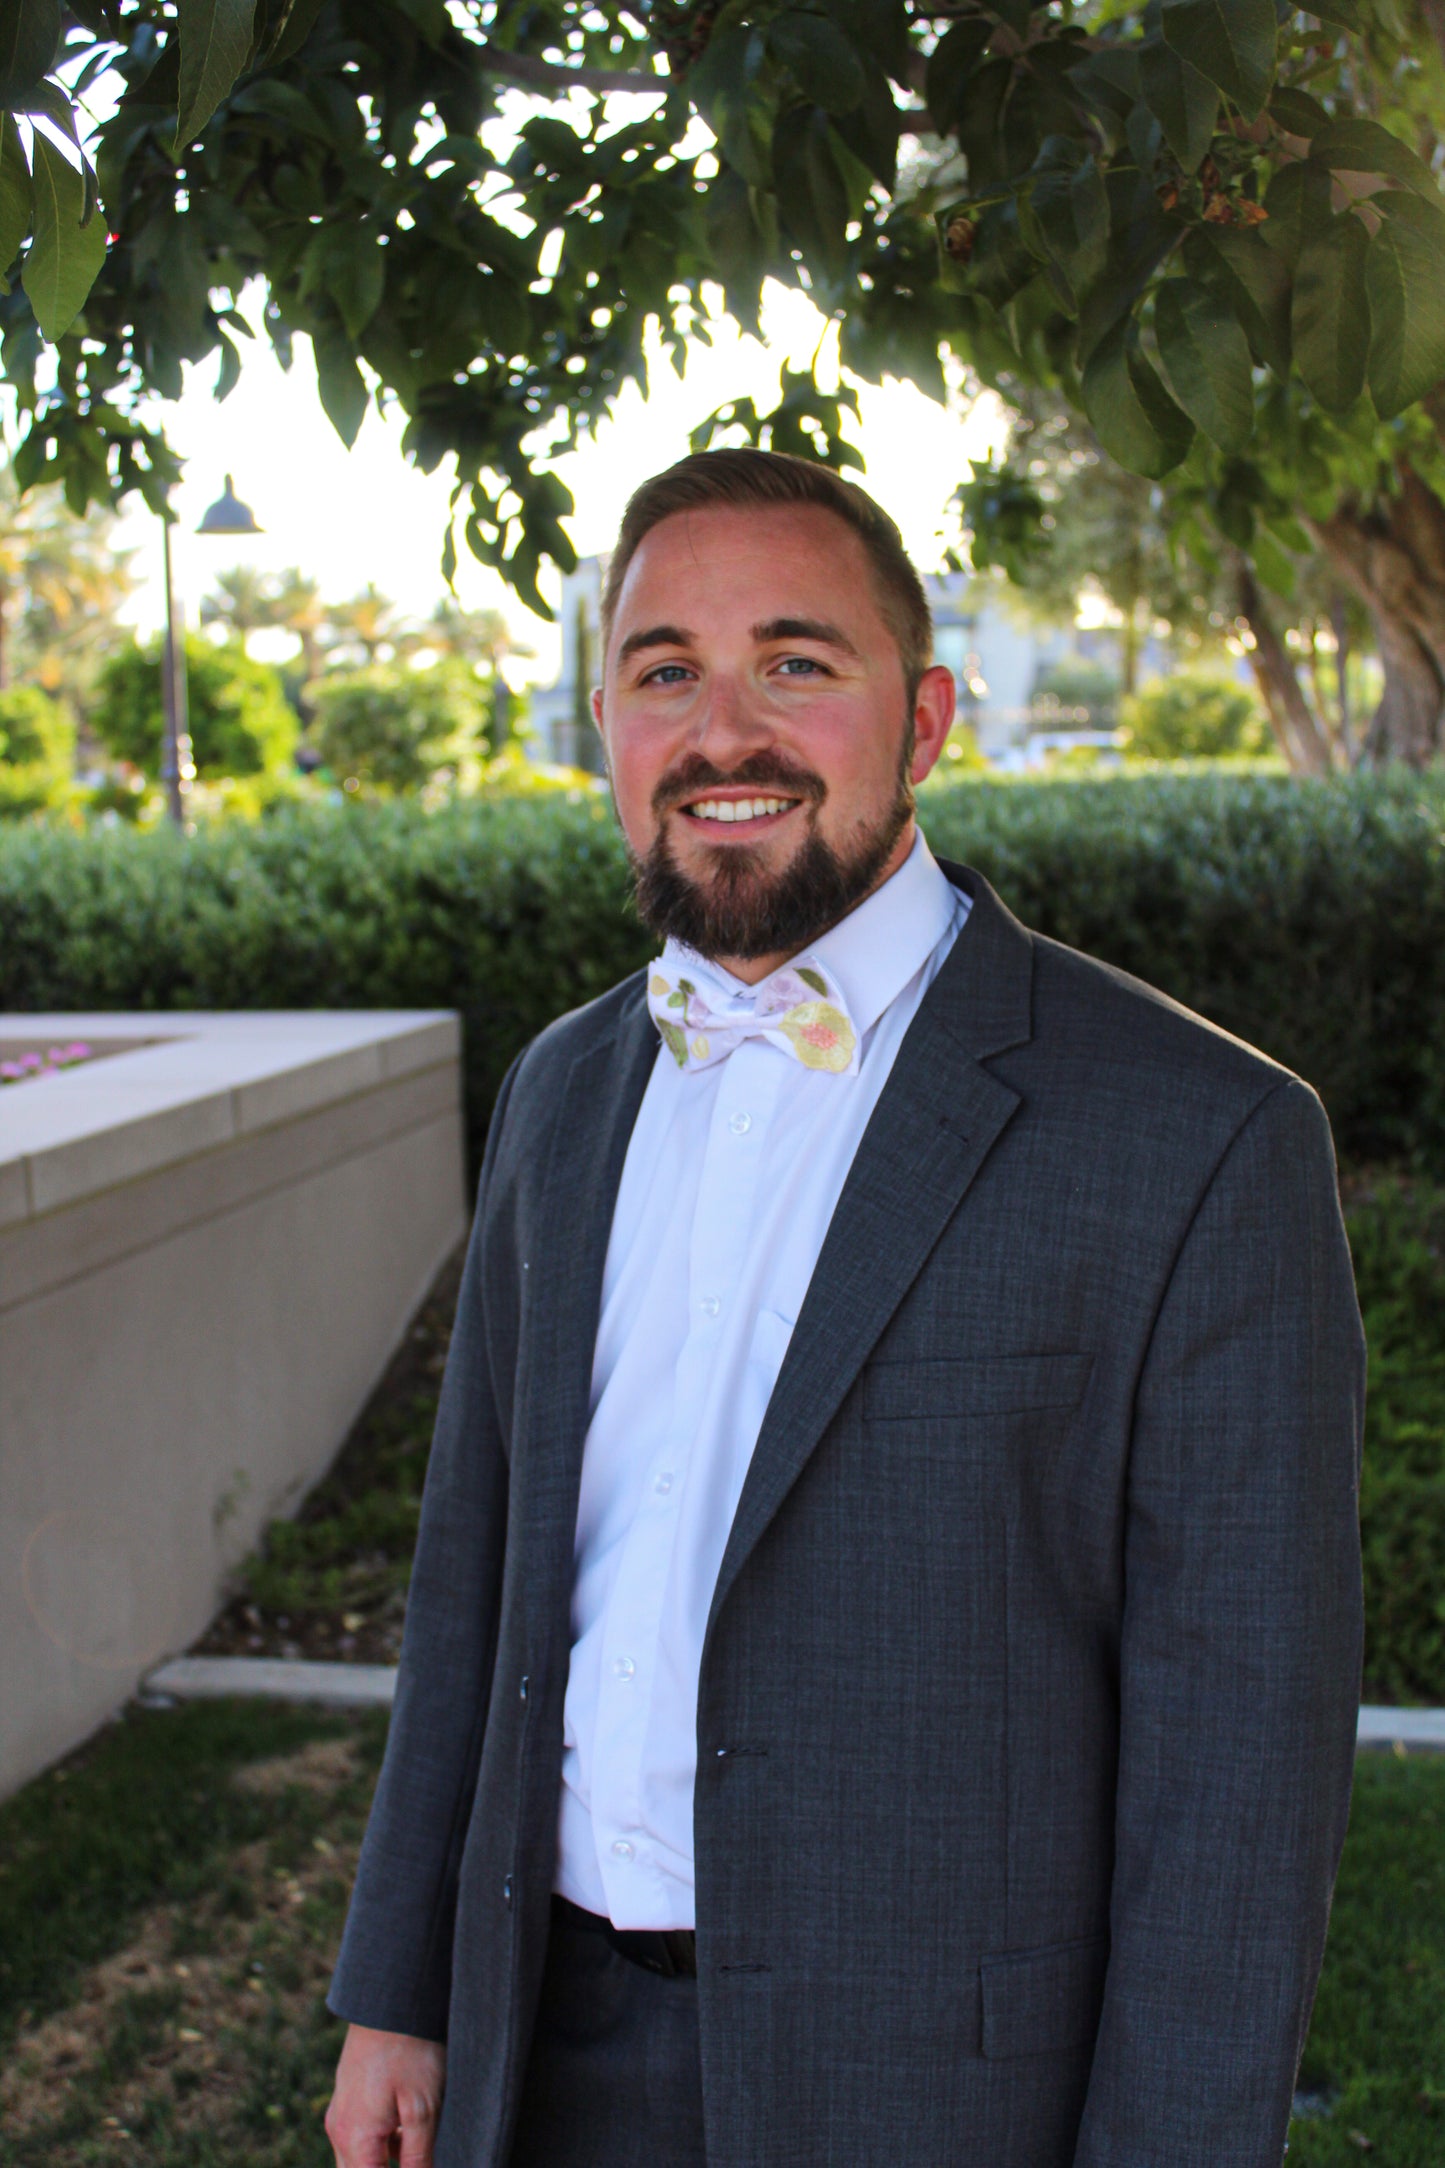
1340	620
1392	553
1304	744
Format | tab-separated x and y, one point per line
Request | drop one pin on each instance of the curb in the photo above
211	1678
372	1686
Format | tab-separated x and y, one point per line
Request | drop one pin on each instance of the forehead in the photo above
726	565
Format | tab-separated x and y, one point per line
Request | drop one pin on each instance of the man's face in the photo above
757	729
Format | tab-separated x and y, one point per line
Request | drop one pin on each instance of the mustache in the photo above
760	771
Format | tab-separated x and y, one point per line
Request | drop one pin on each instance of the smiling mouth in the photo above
733	810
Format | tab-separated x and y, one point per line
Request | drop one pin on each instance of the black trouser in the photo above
614	2079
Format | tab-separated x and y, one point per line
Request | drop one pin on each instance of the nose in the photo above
730	723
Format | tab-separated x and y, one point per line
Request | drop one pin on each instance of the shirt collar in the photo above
872	953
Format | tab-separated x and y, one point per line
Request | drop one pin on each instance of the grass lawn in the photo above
171	1898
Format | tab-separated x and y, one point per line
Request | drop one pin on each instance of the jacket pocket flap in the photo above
998	1385
1042	2002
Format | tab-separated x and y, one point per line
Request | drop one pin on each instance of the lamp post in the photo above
228	515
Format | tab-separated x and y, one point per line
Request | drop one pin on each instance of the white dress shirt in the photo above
731	1178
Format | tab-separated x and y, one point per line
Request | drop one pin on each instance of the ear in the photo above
595	701
934	708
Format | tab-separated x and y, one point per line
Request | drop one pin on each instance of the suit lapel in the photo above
935	1123
599	1107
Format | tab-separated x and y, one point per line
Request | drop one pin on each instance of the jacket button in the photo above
522	1687
507	1891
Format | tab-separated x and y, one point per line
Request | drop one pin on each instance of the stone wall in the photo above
210	1245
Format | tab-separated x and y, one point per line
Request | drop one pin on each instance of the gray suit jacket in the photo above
1027	1705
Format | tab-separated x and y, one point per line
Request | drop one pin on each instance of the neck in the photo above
752	970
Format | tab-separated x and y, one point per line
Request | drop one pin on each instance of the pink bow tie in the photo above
797	1008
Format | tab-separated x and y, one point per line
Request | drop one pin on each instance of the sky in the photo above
347	518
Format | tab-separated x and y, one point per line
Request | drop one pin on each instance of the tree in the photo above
37	750
243	601
62	579
241	722
1190	221
368	626
387	729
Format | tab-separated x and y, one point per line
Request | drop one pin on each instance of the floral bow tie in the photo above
798	1009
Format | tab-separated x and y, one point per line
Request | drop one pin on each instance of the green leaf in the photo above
1183	102
1065	215
1231	42
1134	418
950	65
1258	282
821	61
1206	358
64	257
341	385
812	195
15	193
1343	12
1296	111
29	38
292	31
1330	314
1363	146
1405	280
215	46
1298	203
815	979
347	263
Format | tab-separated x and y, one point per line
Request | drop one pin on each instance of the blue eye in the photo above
795	665
667	673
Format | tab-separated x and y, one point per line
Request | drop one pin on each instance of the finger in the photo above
417	2141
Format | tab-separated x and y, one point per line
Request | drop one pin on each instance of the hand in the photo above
387	2099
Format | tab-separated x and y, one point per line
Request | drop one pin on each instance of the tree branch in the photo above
561	75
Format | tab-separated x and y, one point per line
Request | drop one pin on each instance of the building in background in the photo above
998	661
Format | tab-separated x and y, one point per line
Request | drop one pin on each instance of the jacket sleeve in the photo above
1239	1663
394	1971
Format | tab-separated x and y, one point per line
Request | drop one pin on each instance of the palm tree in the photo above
244	602
62	581
478	637
367	624
299	609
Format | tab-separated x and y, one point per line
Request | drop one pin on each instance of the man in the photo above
881	1667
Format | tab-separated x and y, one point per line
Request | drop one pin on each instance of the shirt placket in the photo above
721	1236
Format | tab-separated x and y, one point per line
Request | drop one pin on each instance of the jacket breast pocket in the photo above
909	1390
1044	2001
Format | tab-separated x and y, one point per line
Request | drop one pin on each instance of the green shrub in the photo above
240	720
391	729
37	750
1309	919
1194	715
1397	1236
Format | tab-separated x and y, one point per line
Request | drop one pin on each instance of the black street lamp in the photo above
228	515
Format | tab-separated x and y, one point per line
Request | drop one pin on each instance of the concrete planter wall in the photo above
210	1244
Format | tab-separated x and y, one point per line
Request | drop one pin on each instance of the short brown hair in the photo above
743	476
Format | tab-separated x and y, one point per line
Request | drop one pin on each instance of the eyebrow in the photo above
654	636
804	628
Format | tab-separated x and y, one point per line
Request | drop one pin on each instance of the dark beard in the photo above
741	912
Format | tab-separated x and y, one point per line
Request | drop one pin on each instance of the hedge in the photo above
1397	1236
1309	919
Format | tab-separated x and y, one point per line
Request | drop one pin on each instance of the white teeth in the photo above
738	809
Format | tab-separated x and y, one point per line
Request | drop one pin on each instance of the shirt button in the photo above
663	1485
507	1891
522	1687
740	1124
624	1668
709	1306
621	1849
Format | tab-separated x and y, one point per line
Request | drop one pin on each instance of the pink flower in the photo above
819	1035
